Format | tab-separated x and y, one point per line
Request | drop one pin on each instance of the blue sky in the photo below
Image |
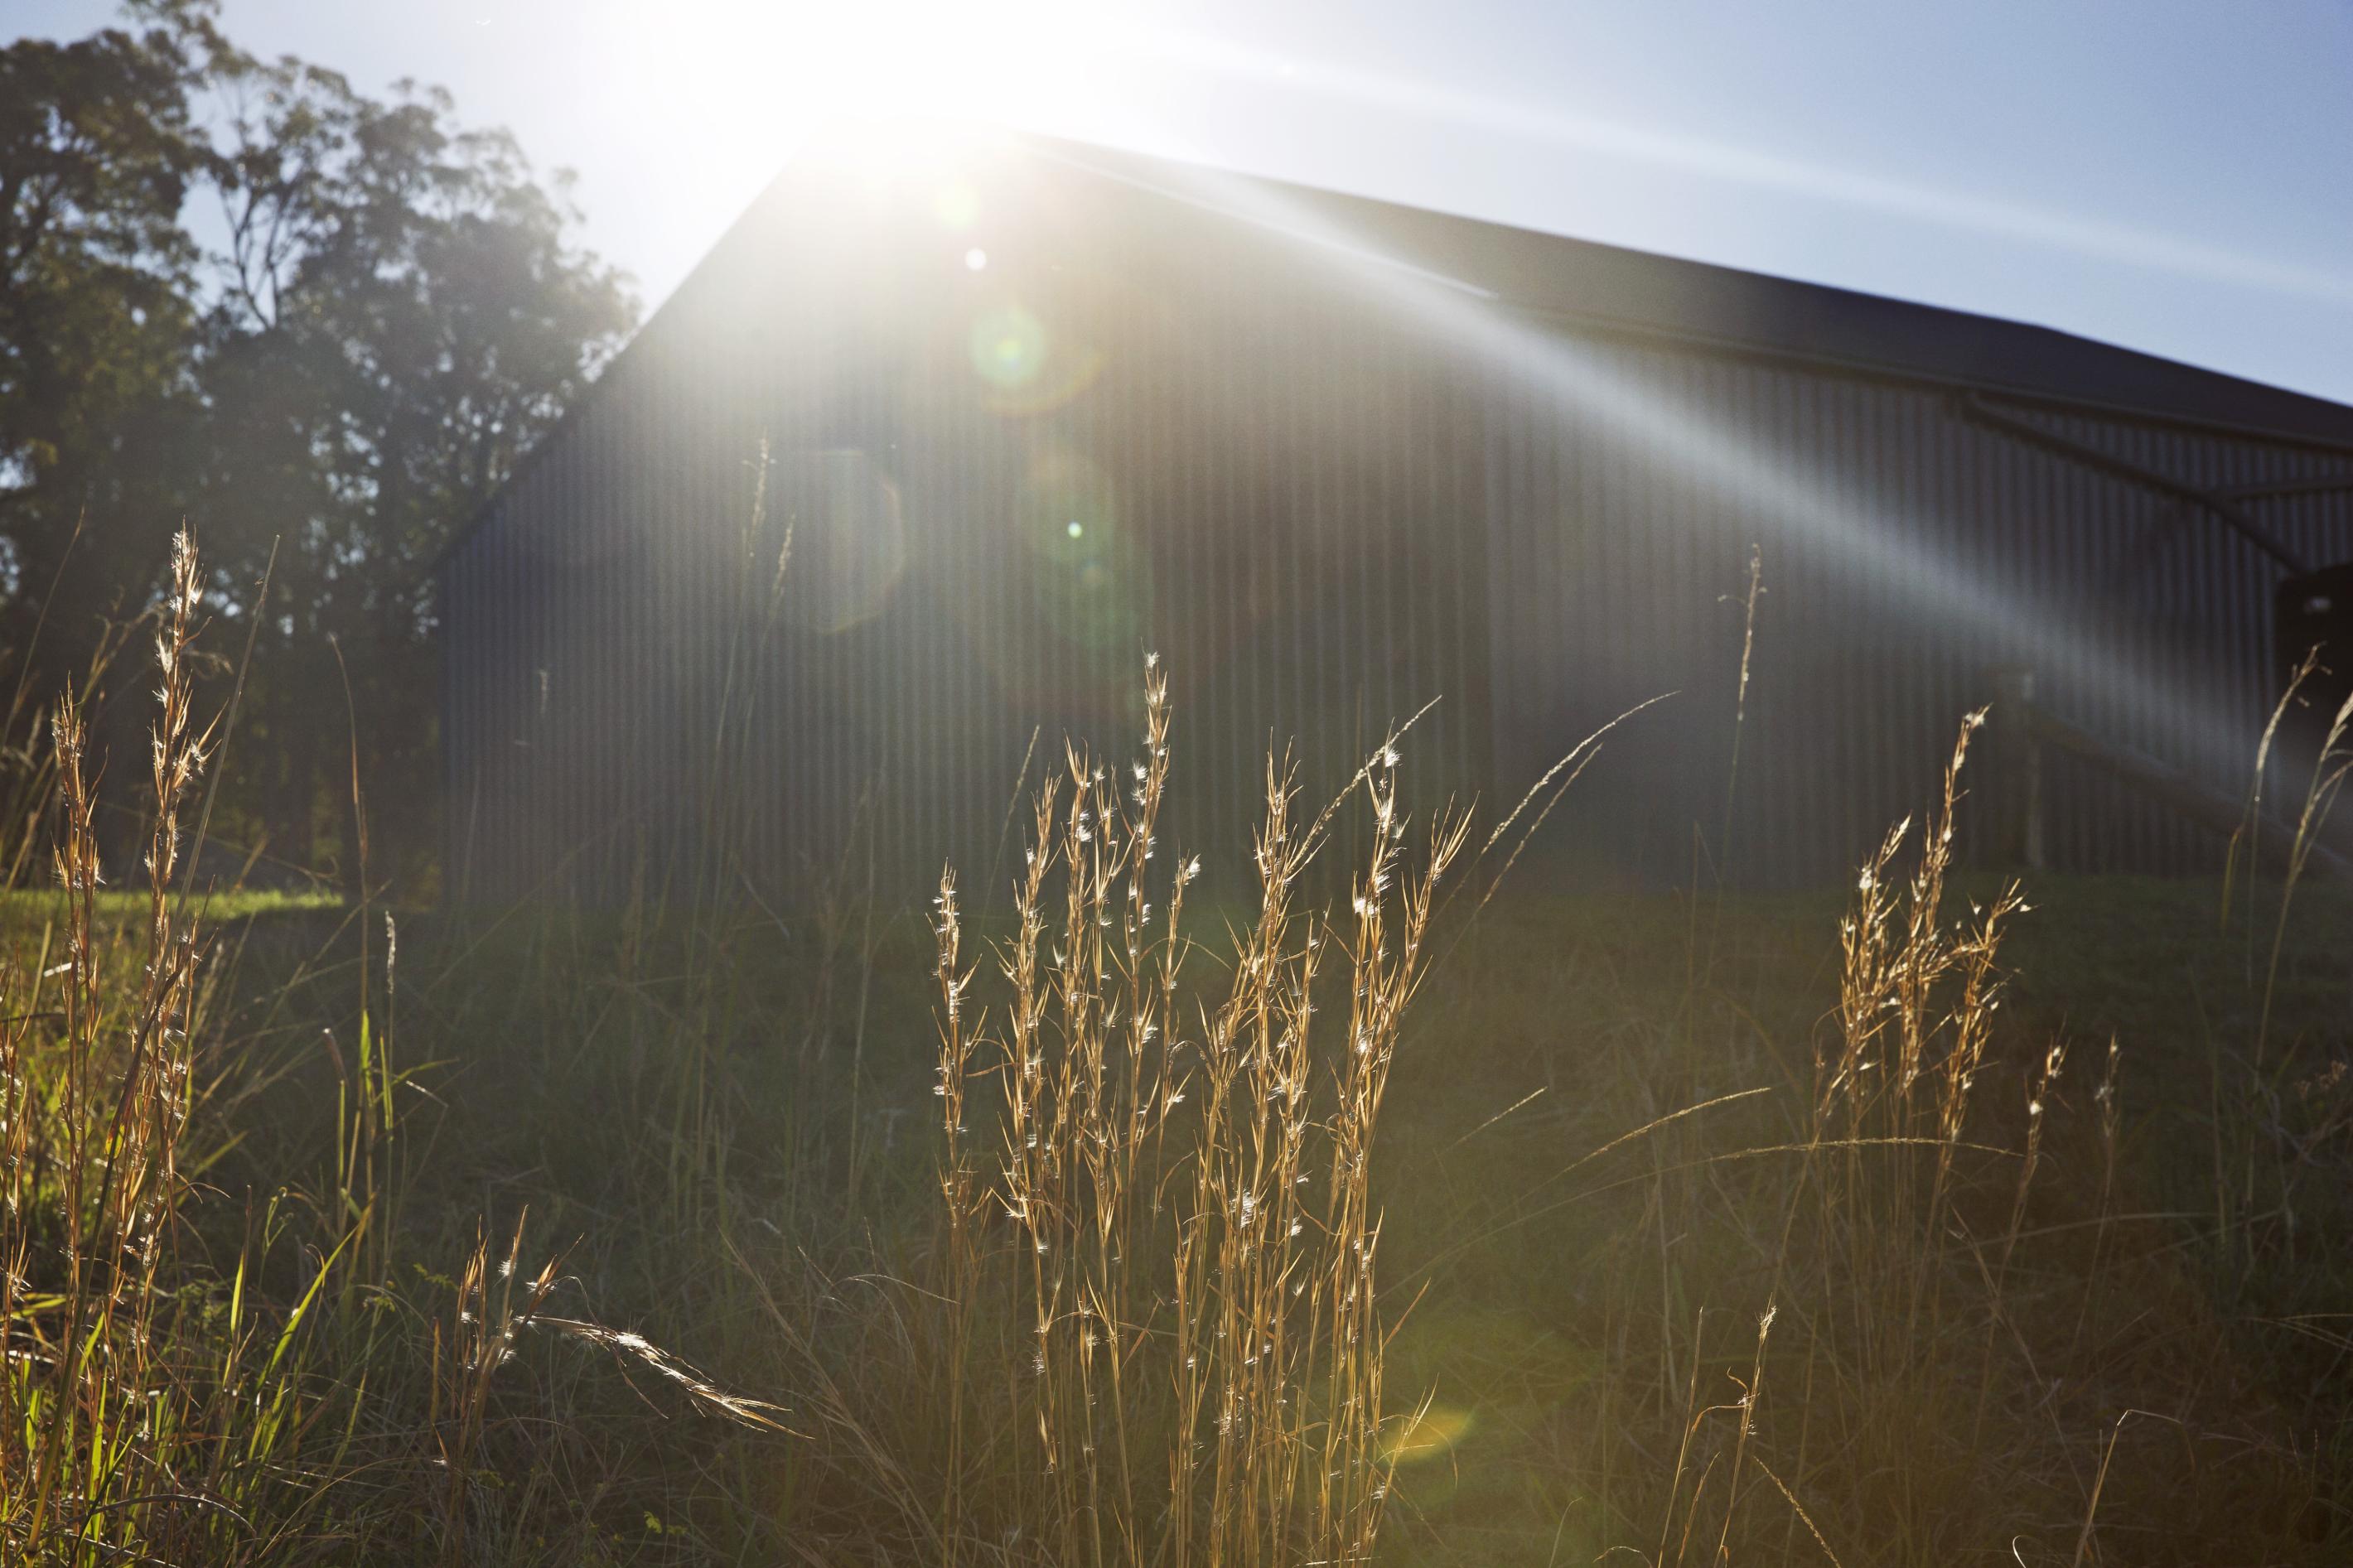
2174	177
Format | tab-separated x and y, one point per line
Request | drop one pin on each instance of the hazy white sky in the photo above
2175	177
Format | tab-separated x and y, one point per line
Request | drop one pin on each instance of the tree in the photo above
97	154
402	315
398	312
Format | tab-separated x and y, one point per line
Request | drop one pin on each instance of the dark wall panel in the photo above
1136	433
1907	549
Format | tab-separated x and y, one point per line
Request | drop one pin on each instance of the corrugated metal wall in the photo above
1907	550
1004	486
1003	490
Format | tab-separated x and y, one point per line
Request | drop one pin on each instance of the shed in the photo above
1027	411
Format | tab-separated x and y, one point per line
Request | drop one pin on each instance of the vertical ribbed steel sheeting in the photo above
1139	430
1277	495
1906	551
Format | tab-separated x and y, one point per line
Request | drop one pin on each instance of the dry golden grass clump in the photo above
129	1427
1174	1183
166	1393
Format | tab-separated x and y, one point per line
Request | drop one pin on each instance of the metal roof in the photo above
1611	287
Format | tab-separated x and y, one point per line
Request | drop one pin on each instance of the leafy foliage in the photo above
99	154
396	310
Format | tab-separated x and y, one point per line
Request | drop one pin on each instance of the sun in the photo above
746	81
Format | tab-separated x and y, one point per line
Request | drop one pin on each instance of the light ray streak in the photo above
1879	544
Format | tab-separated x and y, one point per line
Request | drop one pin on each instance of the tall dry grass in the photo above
1142	1256
133	1422
176	1387
1184	1175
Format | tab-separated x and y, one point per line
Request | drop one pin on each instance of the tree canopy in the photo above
244	294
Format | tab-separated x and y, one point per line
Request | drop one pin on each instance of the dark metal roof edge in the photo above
2330	426
1896	373
595	390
